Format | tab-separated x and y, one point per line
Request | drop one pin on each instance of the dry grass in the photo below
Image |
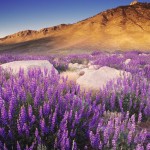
71	75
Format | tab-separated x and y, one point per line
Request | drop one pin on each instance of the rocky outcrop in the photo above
97	79
15	66
134	2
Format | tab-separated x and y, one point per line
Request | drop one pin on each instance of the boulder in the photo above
96	79
89	64
134	2
95	67
143	54
76	66
81	73
70	75
127	61
26	65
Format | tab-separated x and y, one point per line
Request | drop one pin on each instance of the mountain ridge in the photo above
124	27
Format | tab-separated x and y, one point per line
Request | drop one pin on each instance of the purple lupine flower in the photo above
27	147
21	72
1	102
127	115
140	117
30	111
45	71
5	148
130	137
10	134
74	145
22	117
136	139
46	108
117	131
32	146
112	100
18	146
146	110
122	128
4	114
132	126
26	129
13	100
114	144
72	133
22	95
70	114
141	106
133	119
100	145
97	139
43	126
121	104
36	133
41	112
139	147
37	136
130	103
10	111
42	94
36	101
33	87
19	128
143	135
92	139
106	135
65	143
53	119
2	132
148	146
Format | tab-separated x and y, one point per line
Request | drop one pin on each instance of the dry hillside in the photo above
122	28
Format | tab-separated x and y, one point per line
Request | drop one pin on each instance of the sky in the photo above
18	15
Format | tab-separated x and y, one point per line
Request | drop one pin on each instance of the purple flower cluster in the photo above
127	94
38	111
50	112
139	62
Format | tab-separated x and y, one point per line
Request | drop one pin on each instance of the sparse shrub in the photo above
61	67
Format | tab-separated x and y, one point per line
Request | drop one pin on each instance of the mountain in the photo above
123	28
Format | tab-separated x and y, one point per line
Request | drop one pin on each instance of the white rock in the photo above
134	2
76	66
81	73
71	75
127	61
96	79
70	65
95	67
81	66
143	54
89	64
15	66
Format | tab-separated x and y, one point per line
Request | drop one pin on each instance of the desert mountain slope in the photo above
122	28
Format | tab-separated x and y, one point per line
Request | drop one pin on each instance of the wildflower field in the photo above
44	111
